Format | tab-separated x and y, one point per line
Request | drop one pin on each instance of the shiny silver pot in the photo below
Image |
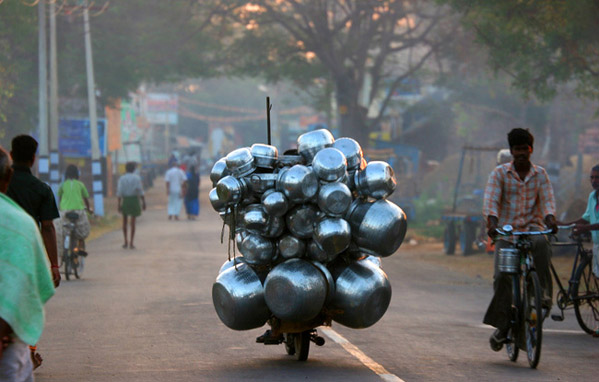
275	227
240	162
275	203
238	260
329	164
217	204
291	247
362	294
334	198
219	171
378	228
315	252
295	290
289	160
241	234
298	183
375	260
332	235
254	217
376	180
300	220
260	183
265	156
352	151
308	144
330	281
238	298
257	249
231	190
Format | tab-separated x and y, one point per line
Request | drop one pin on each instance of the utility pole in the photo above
54	156
43	165
93	118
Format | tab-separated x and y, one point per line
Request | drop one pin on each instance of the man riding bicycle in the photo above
518	193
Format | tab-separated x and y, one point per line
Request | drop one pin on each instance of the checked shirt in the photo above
521	203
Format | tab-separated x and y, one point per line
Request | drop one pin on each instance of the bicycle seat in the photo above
72	216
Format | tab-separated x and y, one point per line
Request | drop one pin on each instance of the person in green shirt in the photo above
73	196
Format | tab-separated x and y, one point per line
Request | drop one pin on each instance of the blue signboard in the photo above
74	138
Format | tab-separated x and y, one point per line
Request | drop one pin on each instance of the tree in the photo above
541	44
365	48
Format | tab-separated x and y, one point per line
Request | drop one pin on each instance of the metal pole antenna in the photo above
54	156
43	165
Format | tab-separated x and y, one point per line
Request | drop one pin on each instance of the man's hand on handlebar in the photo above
492	226
551	223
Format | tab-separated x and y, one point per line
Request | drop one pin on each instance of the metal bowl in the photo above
240	162
238	260
265	156
300	220
298	183
376	180
330	281
217	204
308	144
362	294
275	203
274	227
329	164
316	253
291	247
260	183
254	217
238	298
295	290
378	228
231	190
334	198
219	171
352	151
257	249
332	235
289	160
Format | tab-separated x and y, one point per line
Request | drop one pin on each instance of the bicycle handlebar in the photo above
501	232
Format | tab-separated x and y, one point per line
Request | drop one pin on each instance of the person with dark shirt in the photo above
192	204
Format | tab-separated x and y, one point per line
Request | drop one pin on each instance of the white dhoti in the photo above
175	202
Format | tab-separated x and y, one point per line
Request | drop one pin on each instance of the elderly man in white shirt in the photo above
176	183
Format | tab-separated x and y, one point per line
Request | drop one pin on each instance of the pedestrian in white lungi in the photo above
176	186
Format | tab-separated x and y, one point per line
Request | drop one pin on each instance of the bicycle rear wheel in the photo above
533	318
586	298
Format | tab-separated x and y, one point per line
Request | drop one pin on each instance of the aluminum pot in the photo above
289	160
237	261
329	164
295	290
300	220
332	235
308	144
219	171
334	198
275	227
377	227
238	298
316	253
330	281
257	249
260	183
298	183
254	217
265	156
240	162
275	203
376	180
352	151
362	294
291	247
217	204
231	190
241	234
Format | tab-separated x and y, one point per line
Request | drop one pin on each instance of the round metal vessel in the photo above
329	164
300	220
316	253
332	235
298	183
308	144
274	227
254	217
362	294
219	171
508	260
217	204
231	190
376	180
352	151
378	228
291	247
275	203
295	290
260	183
334	198
240	162
257	249
238	260
330	281
265	156
289	160
238	298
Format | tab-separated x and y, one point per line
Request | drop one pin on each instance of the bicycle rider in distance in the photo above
520	194
589	222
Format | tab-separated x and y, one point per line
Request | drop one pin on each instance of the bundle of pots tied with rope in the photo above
310	228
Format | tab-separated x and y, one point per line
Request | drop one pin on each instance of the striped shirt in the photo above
521	203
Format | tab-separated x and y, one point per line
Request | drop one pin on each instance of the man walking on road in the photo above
129	191
518	193
176	186
25	282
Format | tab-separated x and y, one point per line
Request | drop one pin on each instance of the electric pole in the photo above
54	155
43	165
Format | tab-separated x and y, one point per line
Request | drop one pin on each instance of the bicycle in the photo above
71	258
583	287
526	325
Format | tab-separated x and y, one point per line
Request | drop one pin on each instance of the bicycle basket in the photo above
72	216
508	260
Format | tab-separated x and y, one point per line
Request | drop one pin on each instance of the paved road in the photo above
147	315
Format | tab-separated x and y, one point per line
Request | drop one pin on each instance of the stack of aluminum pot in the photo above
311	229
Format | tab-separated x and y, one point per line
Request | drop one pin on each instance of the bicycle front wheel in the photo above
533	318
586	298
